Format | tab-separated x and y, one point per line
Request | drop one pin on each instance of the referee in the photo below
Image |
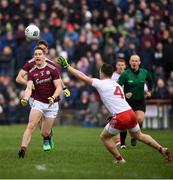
134	79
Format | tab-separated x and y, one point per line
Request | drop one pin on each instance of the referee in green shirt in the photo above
133	79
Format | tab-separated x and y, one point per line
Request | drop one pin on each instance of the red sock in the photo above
117	140
23	147
118	158
160	150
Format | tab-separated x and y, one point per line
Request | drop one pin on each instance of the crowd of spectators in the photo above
88	33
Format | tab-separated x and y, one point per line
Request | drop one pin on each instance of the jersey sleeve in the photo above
54	64
121	79
27	66
95	83
55	74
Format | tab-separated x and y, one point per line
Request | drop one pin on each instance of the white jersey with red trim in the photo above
115	76
112	95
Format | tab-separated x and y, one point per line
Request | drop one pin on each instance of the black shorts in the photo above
137	105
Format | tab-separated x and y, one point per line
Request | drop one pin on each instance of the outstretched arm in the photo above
67	93
78	74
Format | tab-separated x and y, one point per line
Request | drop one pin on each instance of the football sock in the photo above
123	135
161	150
23	148
118	158
117	140
48	137
22	152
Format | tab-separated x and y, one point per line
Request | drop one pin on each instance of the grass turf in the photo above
78	154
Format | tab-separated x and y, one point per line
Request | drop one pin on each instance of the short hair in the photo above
107	69
40	48
121	60
135	55
42	42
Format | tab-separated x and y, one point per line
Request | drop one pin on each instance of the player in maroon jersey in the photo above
48	87
22	79
22	75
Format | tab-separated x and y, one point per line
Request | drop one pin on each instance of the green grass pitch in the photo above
79	154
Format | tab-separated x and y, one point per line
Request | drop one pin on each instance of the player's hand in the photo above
24	101
129	95
66	92
148	94
63	62
51	100
33	87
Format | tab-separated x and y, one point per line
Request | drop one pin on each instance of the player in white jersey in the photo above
120	67
123	118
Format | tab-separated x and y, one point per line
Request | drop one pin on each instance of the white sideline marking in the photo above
41	167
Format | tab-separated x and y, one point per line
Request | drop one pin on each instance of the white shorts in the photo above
31	100
115	131
50	112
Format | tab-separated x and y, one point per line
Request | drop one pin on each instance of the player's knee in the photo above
104	137
141	136
45	133
137	135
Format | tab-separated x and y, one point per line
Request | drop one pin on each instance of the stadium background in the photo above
88	33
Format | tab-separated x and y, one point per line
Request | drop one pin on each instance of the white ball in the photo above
32	32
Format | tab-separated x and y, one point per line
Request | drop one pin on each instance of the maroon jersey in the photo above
31	63
43	81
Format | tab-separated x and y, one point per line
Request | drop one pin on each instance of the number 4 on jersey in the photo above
119	92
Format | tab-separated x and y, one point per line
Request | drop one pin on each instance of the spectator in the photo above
83	104
83	65
7	62
68	46
71	33
170	89
81	48
161	91
158	55
147	55
109	30
90	115
102	116
48	37
147	36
